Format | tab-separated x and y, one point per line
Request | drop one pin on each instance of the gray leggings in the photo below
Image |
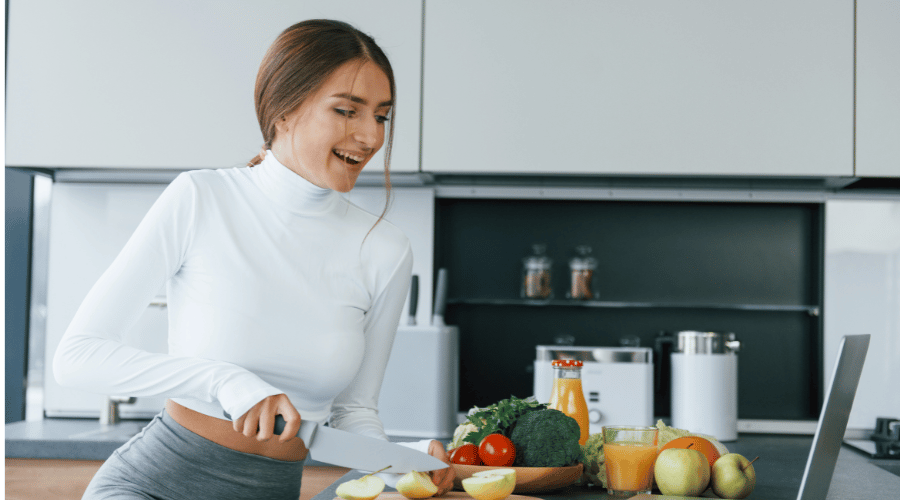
167	461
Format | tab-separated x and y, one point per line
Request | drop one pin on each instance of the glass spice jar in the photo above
581	269
536	274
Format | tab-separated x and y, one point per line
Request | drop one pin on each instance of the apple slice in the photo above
416	484
493	484
365	488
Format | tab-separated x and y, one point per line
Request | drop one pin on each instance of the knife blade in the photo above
354	451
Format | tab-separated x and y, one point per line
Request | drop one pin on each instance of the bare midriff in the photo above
222	432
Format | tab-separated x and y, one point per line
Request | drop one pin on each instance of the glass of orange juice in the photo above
630	454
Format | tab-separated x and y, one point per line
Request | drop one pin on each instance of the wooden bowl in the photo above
528	479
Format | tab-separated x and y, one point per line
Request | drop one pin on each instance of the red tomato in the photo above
497	450
466	454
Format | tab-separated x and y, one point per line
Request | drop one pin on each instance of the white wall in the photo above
412	210
89	225
862	295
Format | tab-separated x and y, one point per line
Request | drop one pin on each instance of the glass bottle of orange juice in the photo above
568	394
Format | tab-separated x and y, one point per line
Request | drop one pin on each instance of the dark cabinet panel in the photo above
18	198
749	268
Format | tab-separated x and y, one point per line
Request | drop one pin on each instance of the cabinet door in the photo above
169	84
877	81
639	87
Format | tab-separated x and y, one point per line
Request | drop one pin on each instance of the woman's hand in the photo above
442	478
259	421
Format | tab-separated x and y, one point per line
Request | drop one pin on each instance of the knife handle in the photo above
280	424
306	432
413	298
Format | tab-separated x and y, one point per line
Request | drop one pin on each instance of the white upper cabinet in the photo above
750	87
169	83
877	84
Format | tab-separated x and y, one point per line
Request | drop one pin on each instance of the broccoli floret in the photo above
546	438
594	469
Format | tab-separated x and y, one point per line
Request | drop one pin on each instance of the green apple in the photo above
492	484
416	484
733	476
364	488
681	471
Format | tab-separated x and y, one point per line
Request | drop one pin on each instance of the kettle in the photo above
704	383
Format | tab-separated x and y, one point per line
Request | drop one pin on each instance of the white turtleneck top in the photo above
274	285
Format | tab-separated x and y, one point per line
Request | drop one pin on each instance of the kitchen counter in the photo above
68	438
82	439
779	471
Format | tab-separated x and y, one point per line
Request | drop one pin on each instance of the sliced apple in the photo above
493	484
416	484
365	488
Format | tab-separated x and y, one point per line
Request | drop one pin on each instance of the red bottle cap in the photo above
567	363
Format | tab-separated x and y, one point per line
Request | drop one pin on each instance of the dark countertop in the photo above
68	438
779	471
81	438
779	468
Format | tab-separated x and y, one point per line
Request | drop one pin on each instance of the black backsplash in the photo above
693	260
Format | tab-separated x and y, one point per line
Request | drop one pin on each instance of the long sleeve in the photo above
356	408
91	356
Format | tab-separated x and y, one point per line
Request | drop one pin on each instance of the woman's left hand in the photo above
442	478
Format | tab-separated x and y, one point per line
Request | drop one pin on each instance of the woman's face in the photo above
331	137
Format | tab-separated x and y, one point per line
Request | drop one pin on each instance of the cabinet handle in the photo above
159	301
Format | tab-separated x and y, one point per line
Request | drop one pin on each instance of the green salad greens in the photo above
499	418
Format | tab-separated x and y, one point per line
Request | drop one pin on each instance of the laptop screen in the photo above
833	418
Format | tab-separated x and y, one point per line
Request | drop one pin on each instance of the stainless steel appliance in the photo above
704	383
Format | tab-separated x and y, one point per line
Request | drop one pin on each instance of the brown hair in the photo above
299	61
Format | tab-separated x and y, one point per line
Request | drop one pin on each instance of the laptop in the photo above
833	419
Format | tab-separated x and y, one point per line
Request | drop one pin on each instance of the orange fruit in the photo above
698	443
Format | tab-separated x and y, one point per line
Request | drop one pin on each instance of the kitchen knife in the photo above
354	451
440	298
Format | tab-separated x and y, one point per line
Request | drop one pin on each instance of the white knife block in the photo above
420	394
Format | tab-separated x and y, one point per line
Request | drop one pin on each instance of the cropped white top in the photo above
274	285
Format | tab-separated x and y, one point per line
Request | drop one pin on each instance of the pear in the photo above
416	484
493	484
365	488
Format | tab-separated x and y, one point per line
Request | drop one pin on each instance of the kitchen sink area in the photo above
114	432
84	438
68	438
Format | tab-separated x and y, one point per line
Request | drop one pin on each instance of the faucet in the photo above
109	414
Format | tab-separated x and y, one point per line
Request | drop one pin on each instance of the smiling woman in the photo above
312	75
283	297
330	138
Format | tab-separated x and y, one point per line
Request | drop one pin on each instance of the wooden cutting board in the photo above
450	495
